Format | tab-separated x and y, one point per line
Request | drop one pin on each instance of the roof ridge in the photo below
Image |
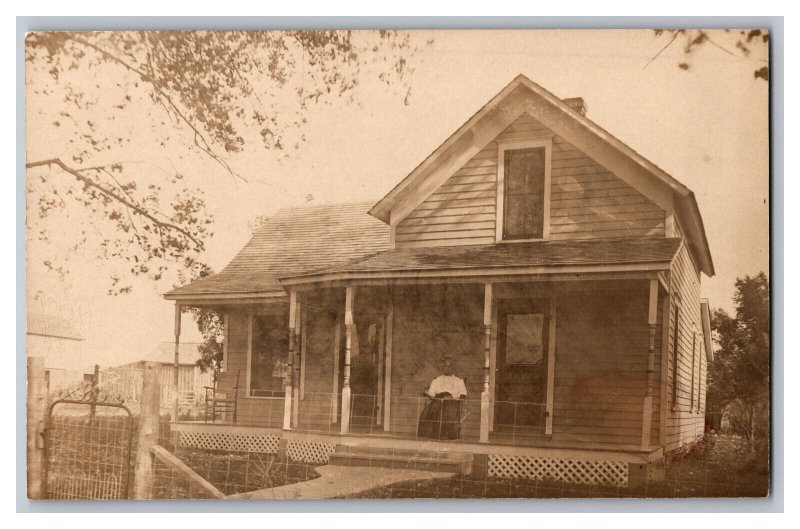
325	204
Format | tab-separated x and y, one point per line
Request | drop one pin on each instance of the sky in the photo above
707	126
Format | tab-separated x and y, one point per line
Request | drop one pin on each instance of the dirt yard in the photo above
721	466
232	473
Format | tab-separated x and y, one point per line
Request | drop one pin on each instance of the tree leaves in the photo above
215	85
743	46
740	370
146	237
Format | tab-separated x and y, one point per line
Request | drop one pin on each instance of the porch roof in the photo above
293	240
529	257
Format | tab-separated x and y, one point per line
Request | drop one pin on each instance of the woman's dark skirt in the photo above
441	418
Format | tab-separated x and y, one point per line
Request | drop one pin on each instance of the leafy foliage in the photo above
210	325
738	378
222	89
746	44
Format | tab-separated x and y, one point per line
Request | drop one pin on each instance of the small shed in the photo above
126	380
53	338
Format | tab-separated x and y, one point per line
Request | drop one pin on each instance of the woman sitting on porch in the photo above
441	417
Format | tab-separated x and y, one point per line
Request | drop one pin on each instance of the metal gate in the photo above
88	445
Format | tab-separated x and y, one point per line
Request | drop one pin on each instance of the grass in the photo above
230	472
720	466
90	459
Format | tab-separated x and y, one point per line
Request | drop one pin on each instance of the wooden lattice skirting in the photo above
584	471
310	452
234	442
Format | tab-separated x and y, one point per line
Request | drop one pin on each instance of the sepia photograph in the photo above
376	264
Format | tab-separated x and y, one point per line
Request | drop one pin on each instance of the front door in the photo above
521	382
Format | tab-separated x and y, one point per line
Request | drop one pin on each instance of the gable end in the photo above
585	200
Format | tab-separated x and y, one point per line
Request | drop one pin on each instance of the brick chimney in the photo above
577	103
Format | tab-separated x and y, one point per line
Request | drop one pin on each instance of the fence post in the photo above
37	411
144	473
95	388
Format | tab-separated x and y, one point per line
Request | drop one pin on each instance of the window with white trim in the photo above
523	191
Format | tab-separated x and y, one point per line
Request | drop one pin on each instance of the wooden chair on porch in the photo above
221	398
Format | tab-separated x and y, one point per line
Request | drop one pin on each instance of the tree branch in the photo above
667	45
142	212
726	50
206	147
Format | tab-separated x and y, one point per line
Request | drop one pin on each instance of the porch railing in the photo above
320	412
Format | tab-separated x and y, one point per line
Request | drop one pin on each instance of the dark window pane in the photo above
524	170
524	338
514	227
524	194
268	361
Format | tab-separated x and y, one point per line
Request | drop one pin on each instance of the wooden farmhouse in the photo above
556	268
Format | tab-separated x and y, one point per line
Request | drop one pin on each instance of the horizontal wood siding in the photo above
315	405
684	422
586	200
237	344
250	411
319	352
602	339
431	322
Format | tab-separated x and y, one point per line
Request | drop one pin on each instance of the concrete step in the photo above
402	459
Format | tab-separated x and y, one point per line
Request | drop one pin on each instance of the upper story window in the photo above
523	190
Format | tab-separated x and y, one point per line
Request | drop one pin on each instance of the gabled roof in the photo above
293	241
50	325
523	95
524	258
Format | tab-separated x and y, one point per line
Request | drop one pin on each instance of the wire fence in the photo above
412	417
126	382
88	457
88	452
232	472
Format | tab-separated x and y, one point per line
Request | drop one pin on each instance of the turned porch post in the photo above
287	403
487	343
348	340
176	365
647	411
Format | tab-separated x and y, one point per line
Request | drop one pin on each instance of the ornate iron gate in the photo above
88	446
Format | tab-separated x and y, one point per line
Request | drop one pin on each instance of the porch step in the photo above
364	456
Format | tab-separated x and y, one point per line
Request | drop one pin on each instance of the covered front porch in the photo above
549	361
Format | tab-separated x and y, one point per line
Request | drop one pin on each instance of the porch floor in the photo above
361	435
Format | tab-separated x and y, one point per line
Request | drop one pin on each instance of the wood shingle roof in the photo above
504	256
294	241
